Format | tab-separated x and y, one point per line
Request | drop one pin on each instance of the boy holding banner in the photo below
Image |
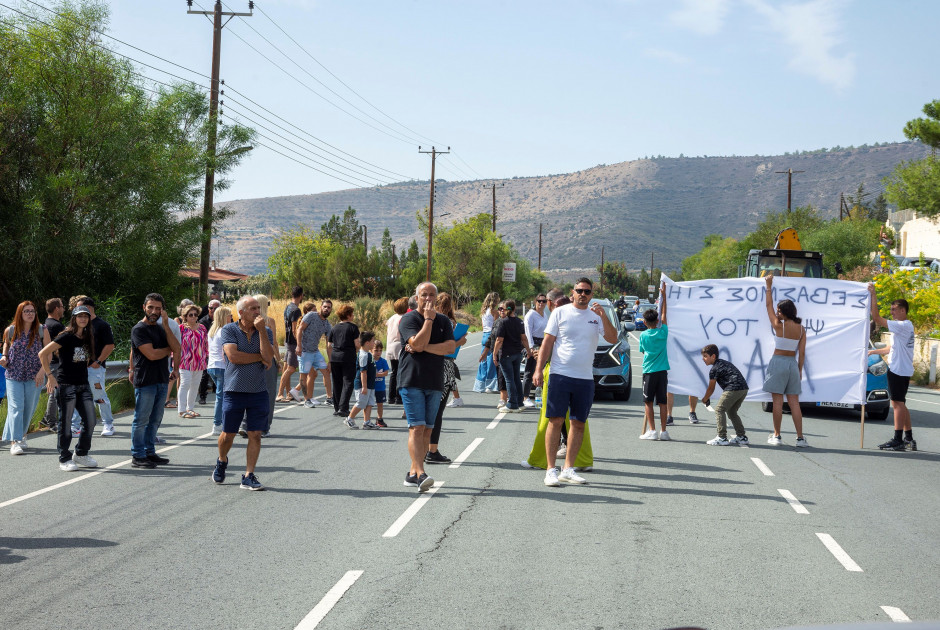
734	390
655	369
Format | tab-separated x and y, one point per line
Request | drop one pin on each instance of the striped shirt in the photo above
248	377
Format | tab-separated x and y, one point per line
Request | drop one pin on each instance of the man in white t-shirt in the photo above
900	369
570	341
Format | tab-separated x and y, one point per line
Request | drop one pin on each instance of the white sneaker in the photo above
664	435
296	395
525	464
310	404
68	466
23	443
551	477
718	441
774	440
527	402
85	461
456	402
349	422
568	475
16	449
501	404
584	468
107	430
216	429
801	442
740	439
562	450
649	435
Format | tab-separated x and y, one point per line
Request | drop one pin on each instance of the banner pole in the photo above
862	444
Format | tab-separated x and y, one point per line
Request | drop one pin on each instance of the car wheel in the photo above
880	416
766	406
623	395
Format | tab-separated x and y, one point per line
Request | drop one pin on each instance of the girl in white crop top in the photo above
786	366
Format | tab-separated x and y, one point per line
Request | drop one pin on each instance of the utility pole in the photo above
217	26
434	153
653	284
602	269
365	238
540	247
493	188
843	208
789	173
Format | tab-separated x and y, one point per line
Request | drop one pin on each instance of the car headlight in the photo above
613	352
878	369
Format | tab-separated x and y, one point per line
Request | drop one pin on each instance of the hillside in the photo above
662	205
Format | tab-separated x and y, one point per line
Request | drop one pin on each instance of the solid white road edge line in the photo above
792	500
92	474
924	401
499	416
896	614
762	466
838	552
322	609
409	514
466	453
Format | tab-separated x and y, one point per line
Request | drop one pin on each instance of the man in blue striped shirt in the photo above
249	349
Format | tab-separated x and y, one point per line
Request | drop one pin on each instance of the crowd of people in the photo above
240	357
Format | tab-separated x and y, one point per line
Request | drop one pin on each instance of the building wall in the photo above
915	234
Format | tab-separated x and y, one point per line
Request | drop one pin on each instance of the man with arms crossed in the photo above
900	369
427	337
248	345
570	341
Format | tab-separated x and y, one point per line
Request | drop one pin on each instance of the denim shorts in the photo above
251	407
569	394
312	360
420	405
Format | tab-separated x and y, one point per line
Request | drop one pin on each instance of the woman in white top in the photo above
216	366
487	373
393	348
785	370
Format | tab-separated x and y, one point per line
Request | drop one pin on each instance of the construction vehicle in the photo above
787	258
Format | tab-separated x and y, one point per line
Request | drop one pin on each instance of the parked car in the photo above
644	306
912	263
876	392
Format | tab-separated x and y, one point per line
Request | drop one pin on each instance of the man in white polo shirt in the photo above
570	341
900	369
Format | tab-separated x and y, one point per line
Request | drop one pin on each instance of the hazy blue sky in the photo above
532	88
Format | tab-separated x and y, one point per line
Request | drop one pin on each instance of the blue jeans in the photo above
486	372
148	414
22	398
218	377
510	364
420	405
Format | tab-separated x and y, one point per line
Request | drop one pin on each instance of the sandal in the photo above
283	399
170	404
188	414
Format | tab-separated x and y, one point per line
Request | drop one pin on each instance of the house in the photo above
914	235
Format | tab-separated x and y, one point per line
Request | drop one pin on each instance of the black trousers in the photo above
342	372
439	419
530	370
204	385
393	398
71	398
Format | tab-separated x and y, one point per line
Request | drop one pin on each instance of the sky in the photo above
527	88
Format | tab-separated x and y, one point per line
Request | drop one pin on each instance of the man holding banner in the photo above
900	370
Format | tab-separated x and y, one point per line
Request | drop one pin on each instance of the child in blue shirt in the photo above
381	371
364	385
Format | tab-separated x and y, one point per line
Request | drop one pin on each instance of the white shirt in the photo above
901	357
535	325
393	338
487	321
576	333
176	333
216	353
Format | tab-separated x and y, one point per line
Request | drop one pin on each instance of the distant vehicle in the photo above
912	263
644	306
786	258
935	265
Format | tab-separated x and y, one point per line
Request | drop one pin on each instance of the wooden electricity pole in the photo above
540	247
434	153
217	26
789	173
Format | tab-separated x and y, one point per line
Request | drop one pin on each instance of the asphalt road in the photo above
666	533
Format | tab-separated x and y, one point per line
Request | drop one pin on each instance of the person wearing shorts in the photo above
248	345
655	371
312	327
381	371
292	315
427	337
785	369
900	370
569	344
365	383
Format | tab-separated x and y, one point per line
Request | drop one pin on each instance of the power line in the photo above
456	155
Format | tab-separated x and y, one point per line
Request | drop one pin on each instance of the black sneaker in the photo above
250	482
142	462
669	421
424	483
328	401
381	424
436	458
411	480
910	444
202	401
218	475
892	445
156	459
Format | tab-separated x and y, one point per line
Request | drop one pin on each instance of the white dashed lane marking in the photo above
322	609
838	552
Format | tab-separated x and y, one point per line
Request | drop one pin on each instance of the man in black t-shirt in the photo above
151	345
291	317
97	369
54	327
510	342
734	390
427	337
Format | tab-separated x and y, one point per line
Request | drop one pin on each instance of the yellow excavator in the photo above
787	258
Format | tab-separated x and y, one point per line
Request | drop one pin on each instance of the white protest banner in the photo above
732	315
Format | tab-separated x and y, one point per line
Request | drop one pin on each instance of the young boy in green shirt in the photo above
655	369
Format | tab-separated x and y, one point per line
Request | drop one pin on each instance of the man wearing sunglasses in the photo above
571	337
535	321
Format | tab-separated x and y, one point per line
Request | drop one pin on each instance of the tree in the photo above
101	179
804	220
849	243
346	230
915	184
719	258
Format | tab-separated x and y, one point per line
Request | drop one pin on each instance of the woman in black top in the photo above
75	346
343	340
510	342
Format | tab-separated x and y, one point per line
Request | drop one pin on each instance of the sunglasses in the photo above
541	301
191	314
29	312
501	308
584	291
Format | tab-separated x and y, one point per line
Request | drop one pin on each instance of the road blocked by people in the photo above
732	315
